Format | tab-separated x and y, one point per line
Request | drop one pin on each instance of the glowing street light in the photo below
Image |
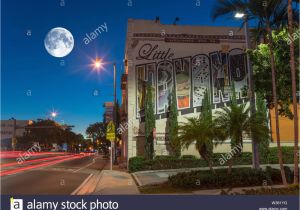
97	64
239	15
53	114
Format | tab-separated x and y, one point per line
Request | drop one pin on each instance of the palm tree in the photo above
235	121
202	131
269	14
293	73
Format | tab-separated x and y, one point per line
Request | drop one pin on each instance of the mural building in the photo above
188	59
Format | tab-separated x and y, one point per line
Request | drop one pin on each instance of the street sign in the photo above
110	131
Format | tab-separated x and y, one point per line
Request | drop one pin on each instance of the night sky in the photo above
34	83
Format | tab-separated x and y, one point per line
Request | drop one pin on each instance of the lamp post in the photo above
53	115
255	156
115	115
98	64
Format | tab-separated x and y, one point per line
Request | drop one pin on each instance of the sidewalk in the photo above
108	182
115	183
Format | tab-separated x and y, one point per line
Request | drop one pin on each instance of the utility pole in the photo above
255	156
115	116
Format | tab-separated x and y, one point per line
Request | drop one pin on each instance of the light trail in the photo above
14	171
15	154
33	161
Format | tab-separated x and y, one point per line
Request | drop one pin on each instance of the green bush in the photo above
272	158
188	157
275	174
244	159
136	163
240	177
190	161
290	190
165	157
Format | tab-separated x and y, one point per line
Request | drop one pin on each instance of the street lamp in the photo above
255	157
53	114
239	15
98	64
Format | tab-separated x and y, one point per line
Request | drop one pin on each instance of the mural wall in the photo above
191	77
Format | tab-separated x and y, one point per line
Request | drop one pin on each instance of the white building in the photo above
190	59
10	129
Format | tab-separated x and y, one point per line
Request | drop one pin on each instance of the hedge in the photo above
240	177
290	190
189	161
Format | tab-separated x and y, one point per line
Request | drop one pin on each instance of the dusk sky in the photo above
27	68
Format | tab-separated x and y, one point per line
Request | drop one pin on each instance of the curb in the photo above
137	181
81	185
99	177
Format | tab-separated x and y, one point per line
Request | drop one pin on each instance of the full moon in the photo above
59	42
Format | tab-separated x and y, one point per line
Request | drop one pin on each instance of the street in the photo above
50	174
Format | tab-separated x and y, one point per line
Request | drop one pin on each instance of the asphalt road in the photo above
57	179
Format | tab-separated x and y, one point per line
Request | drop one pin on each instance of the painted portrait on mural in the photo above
238	71
220	77
201	78
141	89
182	77
164	85
151	80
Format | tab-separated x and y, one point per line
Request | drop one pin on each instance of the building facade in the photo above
108	111
10	129
188	59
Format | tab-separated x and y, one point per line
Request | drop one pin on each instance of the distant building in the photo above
12	128
108	111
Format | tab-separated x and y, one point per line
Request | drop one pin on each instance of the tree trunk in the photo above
230	163
293	73
274	92
211	166
204	155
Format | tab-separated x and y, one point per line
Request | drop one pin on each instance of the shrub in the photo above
240	177
136	163
165	157
245	158
290	190
188	157
287	154
190	161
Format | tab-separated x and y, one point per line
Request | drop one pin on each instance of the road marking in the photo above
81	185
93	162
